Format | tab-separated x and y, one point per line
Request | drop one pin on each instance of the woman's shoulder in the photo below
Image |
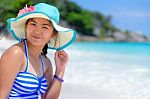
47	62
12	58
15	51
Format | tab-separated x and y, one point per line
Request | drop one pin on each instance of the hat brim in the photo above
64	38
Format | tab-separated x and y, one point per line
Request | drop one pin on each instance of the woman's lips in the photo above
36	37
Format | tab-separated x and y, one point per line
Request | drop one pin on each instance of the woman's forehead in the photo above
40	20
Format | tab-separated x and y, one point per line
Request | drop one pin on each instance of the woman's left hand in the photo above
61	60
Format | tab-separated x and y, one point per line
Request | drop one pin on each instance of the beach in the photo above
70	91
104	70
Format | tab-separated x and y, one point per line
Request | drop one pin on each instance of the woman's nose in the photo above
38	30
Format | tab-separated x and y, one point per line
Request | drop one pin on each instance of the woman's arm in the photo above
54	88
48	73
61	59
10	64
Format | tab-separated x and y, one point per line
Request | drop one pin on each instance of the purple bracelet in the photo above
58	78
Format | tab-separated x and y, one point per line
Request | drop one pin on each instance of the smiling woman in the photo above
29	71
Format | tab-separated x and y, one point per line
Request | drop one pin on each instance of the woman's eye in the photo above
33	24
45	27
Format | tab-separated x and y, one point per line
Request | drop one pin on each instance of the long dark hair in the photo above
44	50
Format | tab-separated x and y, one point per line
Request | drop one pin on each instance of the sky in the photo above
133	15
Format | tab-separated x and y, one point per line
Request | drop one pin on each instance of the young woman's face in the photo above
39	31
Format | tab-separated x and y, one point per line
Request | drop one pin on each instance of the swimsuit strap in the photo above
27	58
26	52
41	58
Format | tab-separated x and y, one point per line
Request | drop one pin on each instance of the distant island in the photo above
90	26
117	36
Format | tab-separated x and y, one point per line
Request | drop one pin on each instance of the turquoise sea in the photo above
121	67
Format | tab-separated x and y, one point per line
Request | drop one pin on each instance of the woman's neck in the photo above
34	51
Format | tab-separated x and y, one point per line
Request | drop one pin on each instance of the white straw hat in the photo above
17	25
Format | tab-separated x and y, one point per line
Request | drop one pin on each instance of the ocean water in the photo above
121	67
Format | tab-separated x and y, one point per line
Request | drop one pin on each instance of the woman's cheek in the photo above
30	30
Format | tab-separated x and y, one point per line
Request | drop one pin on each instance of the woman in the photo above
25	70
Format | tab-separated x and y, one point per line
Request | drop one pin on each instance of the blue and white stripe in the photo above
28	85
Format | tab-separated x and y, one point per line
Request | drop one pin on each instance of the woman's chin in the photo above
36	42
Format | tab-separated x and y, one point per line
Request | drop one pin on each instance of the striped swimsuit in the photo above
28	85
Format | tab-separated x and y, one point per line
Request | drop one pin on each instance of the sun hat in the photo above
16	26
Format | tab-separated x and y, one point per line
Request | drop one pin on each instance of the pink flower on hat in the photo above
26	9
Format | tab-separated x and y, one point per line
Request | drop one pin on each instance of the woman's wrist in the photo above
58	78
60	73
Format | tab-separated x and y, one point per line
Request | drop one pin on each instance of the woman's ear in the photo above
54	33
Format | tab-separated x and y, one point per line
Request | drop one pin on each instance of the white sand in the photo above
85	92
